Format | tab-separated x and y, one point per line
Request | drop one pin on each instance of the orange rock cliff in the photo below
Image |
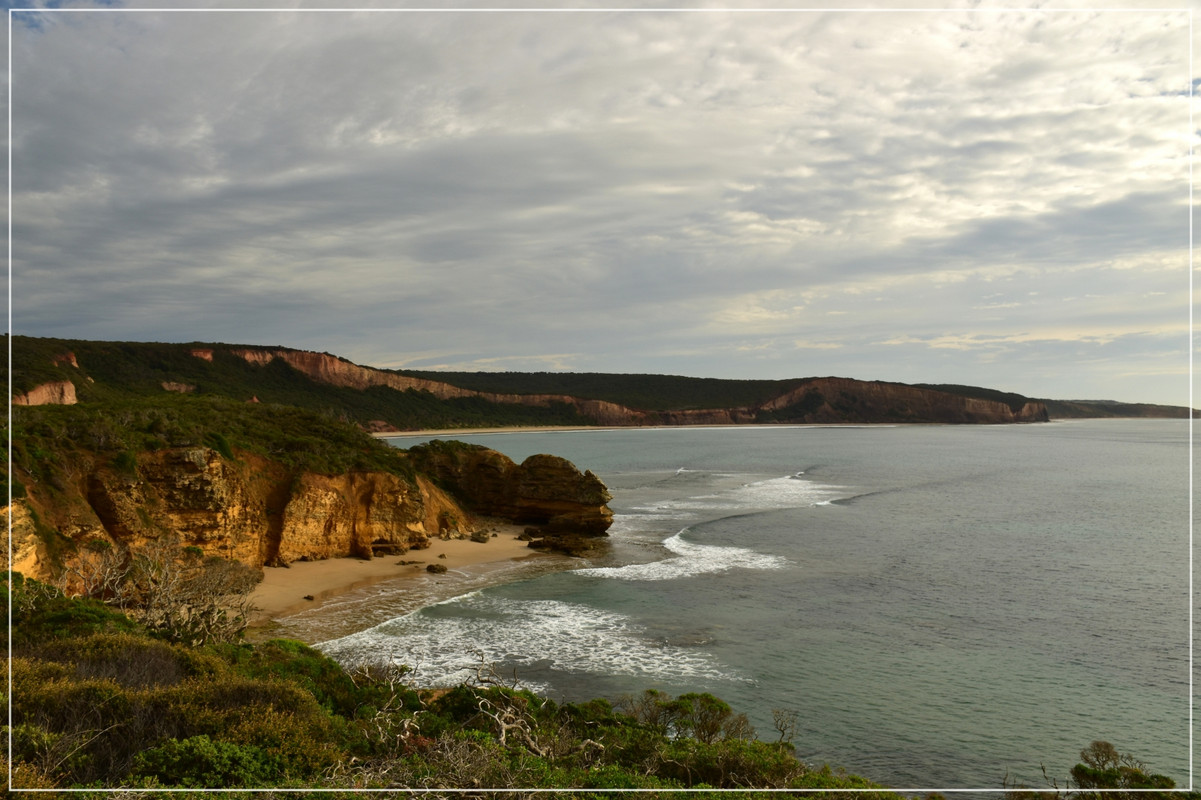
256	511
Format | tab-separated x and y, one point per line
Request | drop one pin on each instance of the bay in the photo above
941	606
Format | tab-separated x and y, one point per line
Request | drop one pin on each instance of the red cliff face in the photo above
820	400
339	372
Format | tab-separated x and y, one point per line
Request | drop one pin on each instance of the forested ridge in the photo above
639	391
114	371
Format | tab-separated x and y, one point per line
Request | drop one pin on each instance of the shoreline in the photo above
600	428
478	431
308	585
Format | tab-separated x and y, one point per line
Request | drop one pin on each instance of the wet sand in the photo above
283	590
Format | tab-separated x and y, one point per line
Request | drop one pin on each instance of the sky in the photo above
976	194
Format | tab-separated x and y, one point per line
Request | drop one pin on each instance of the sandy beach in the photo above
304	585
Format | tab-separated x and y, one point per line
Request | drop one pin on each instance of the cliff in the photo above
261	512
62	371
53	393
328	369
831	400
841	399
543	490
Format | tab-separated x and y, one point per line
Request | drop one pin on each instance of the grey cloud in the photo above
470	186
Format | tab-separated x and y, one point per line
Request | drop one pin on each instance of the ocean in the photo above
940	606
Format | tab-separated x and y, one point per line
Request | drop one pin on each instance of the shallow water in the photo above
942	606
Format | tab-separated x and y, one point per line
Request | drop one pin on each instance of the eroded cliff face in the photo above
55	392
256	511
831	400
339	372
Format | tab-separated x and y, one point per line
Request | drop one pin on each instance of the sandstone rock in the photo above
544	490
54	393
250	510
28	552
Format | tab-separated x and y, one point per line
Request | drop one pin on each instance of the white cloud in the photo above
655	191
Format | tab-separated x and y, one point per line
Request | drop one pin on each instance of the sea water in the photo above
941	606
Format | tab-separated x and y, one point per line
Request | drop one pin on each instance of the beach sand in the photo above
283	590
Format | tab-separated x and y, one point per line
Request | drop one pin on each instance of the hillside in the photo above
1092	409
61	371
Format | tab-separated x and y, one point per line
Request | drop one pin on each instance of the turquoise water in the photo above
942	606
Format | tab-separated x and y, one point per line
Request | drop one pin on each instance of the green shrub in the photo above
219	443
133	661
319	674
304	745
200	762
126	463
43	613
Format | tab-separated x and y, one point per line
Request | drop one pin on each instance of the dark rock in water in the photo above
437	569
569	544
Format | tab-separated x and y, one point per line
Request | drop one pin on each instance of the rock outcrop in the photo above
56	392
258	512
543	490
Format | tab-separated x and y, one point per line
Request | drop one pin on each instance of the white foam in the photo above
689	559
790	491
445	649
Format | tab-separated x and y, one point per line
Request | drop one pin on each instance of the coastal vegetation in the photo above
102	701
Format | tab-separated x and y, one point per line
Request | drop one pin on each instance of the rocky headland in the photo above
260	512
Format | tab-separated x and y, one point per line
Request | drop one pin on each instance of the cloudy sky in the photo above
986	196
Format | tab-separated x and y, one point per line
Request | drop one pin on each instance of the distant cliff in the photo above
49	371
841	399
1101	409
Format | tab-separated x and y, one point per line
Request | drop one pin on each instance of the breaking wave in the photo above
445	644
689	559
